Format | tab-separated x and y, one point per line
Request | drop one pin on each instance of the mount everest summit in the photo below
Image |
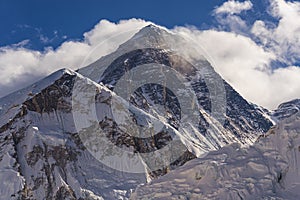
136	116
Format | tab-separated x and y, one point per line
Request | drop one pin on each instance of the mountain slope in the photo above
51	157
153	49
267	170
72	137
47	159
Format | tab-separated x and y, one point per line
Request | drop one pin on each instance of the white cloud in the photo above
20	66
233	22
233	7
227	16
283	39
247	66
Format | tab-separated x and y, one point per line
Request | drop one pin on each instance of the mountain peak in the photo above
151	31
18	97
152	28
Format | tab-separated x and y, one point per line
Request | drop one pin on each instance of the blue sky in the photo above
254	43
49	22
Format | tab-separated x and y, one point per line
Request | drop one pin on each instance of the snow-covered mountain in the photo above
92	134
155	46
42	155
267	170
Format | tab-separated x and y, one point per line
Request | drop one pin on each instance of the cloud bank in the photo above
243	54
247	66
252	68
20	66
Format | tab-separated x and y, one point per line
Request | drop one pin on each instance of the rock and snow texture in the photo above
42	155
241	121
269	169
41	149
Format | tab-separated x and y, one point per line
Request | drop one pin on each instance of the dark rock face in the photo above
242	118
244	114
65	193
53	160
52	98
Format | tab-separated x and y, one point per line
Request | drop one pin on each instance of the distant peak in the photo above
295	102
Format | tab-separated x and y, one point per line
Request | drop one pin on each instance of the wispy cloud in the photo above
283	39
21	44
233	7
